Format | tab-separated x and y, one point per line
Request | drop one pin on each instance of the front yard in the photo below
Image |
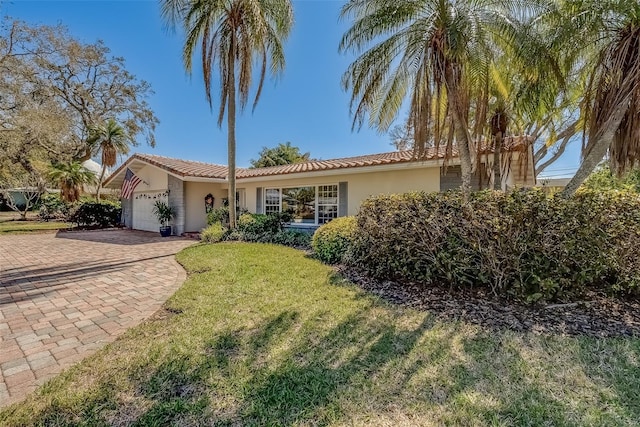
10	223
263	335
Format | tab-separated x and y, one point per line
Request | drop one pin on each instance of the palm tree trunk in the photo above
462	140
104	169
497	162
231	129
461	128
465	160
603	141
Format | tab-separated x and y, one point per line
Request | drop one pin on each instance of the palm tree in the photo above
110	139
70	177
610	31
437	54
232	33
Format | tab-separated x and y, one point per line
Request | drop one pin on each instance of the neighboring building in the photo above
315	192
553	184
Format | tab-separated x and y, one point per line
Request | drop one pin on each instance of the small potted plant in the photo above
164	213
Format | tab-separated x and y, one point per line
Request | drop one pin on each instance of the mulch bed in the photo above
596	315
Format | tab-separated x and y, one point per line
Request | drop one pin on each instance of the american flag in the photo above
129	184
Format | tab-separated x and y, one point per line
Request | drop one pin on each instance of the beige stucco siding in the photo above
154	179
196	218
360	185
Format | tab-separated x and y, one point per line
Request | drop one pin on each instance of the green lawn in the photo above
10	223
15	227
263	335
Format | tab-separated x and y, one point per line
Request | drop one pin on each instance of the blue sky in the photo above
306	105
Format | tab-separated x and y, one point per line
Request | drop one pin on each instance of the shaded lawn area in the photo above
15	227
263	335
10	223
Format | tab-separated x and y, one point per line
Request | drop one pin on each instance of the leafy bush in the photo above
96	214
332	241
603	180
290	237
260	223
52	207
214	233
257	228
293	238
221	215
523	244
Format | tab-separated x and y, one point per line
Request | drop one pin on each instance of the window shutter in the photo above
343	201
259	207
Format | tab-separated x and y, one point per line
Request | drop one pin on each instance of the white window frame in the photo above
337	204
264	199
242	198
316	204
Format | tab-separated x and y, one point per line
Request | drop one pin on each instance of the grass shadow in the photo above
284	347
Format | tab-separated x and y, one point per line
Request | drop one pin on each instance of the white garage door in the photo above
143	217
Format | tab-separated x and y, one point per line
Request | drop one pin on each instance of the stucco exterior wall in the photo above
127	212
157	180
360	185
195	217
177	202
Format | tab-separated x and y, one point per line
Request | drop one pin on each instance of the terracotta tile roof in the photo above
345	162
193	169
510	144
185	167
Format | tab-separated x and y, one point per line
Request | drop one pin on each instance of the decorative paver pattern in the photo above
65	295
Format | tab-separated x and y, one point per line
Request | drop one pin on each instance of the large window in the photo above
300	202
327	203
272	201
308	205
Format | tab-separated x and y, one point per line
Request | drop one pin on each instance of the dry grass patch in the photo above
266	336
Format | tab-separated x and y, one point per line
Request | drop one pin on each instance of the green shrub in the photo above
523	244
96	214
602	179
261	224
221	215
332	240
214	233
294	238
269	229
52	207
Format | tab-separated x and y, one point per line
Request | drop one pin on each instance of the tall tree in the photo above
55	88
70	178
232	33
608	33
108	139
282	154
435	53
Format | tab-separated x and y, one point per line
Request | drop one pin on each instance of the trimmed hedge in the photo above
332	240
523	244
289	237
96	214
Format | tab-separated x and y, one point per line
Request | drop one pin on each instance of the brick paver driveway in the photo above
64	296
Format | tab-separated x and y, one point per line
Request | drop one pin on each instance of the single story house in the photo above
315	192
